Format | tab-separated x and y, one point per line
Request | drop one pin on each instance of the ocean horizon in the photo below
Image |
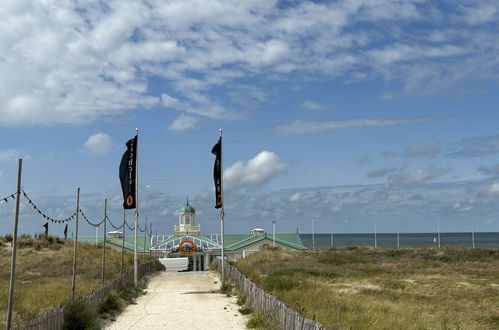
406	240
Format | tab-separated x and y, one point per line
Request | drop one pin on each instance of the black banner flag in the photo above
217	172
66	232
127	173
46	225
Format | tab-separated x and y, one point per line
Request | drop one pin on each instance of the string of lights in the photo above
130	228
90	222
6	199
112	225
46	217
142	230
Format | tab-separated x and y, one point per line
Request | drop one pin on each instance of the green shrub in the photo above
79	315
260	321
245	310
113	304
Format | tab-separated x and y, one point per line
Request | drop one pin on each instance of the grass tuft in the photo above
79	315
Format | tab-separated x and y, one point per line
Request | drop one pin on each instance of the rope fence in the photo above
6	199
46	217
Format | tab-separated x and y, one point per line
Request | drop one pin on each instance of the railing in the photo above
54	317
192	228
262	301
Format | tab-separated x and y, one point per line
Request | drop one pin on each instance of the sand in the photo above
185	300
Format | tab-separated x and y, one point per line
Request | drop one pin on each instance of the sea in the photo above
406	240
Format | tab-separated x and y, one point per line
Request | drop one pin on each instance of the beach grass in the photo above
367	288
44	272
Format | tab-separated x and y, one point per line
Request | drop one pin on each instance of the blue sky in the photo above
337	111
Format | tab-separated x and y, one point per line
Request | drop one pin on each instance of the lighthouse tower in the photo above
187	221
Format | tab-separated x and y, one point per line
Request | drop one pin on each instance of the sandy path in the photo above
186	300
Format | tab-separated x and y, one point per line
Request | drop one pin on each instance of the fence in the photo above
54	317
262	301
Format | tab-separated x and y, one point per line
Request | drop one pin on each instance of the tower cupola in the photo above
187	221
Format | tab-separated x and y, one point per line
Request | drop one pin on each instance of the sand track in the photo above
187	300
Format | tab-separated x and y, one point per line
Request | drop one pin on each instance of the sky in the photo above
346	113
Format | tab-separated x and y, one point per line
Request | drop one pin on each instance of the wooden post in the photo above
14	247
104	244
73	282
144	247
123	240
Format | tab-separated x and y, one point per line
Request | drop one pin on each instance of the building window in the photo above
187	219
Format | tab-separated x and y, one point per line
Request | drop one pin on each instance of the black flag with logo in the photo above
127	173
46	226
217	172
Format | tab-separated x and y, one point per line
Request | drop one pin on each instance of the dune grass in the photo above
44	272
366	288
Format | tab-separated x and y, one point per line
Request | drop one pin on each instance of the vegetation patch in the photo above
44	269
80	315
367	288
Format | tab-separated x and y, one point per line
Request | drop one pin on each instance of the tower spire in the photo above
187	200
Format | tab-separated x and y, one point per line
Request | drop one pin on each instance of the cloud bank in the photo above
74	62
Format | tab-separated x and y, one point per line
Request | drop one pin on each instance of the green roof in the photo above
232	242
187	209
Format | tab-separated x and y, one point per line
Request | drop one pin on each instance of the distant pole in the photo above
96	234
136	213
14	246
398	235
332	231
104	244
273	232
144	248
375	235
313	236
150	238
438	231
123	240
75	245
473	233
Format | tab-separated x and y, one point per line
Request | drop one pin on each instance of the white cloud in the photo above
420	175
310	105
10	156
295	197
491	191
74	62
98	144
183	122
259	170
303	127
481	14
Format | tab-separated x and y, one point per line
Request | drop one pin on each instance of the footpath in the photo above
184	300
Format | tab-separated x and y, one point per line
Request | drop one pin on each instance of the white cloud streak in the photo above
303	127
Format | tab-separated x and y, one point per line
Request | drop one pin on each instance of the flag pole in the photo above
75	245
123	240
222	213
14	247
135	263
144	245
